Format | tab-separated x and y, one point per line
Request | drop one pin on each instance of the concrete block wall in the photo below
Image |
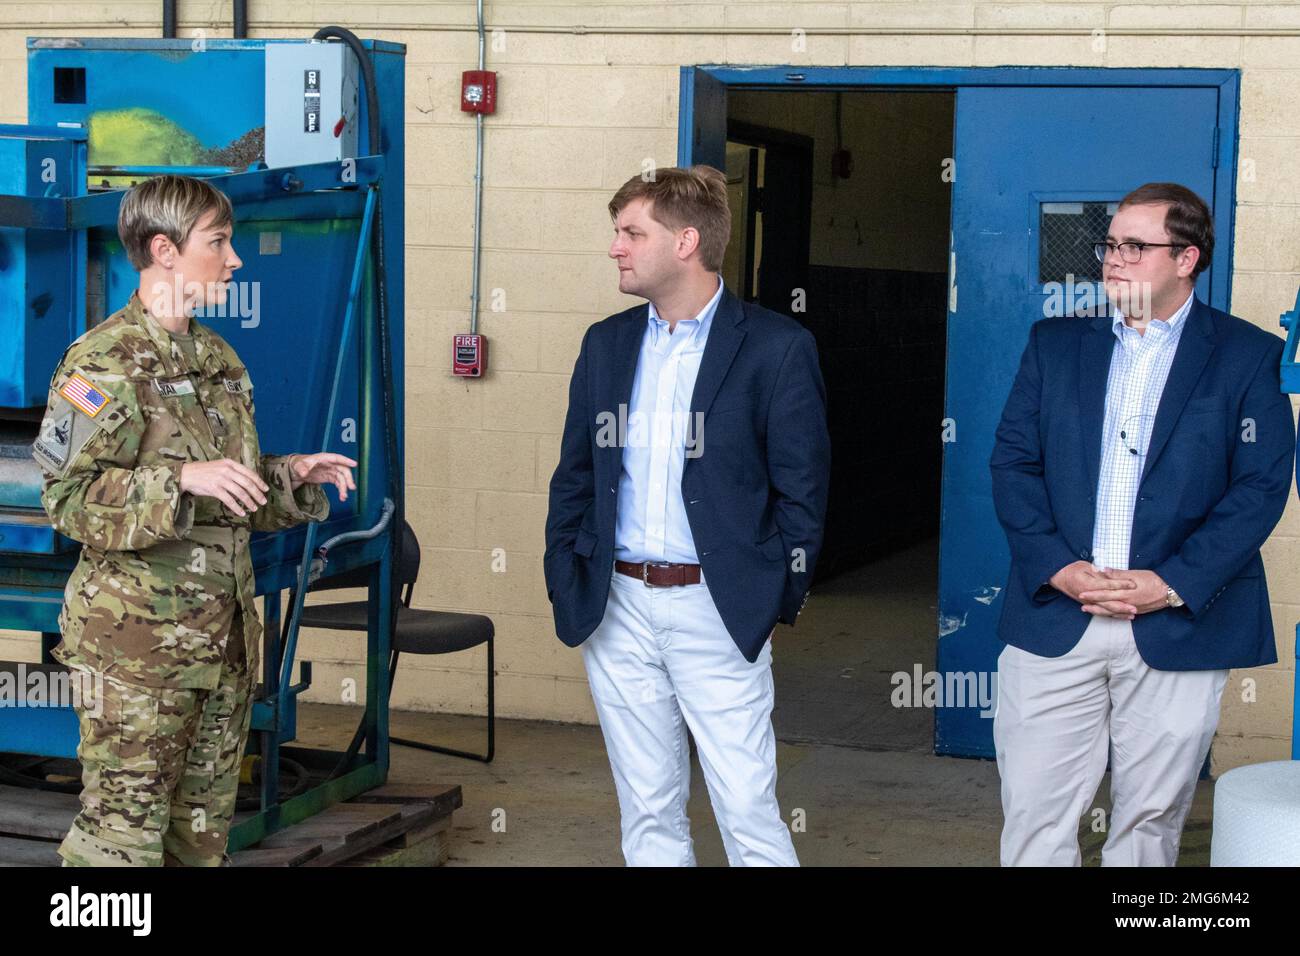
580	110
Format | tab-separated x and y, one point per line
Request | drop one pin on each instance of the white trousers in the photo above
1057	720
661	662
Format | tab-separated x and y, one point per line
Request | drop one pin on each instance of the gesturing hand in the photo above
323	468
235	485
1104	593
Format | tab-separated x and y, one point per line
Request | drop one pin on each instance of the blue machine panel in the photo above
41	279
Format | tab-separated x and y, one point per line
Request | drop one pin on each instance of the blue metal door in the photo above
1037	171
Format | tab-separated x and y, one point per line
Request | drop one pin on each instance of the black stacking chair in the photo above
418	632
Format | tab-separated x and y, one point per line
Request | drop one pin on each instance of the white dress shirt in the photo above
651	524
1139	368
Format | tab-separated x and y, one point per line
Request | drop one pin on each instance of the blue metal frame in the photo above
1290	367
38	267
778	77
1290	321
308	545
100	209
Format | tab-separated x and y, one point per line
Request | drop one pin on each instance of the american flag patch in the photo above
83	396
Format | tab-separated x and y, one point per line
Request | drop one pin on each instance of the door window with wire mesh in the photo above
1066	233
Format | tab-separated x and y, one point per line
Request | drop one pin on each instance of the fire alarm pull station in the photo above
469	355
478	91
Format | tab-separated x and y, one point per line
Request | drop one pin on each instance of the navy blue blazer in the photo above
1215	482
754	496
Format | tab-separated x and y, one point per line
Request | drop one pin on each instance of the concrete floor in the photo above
858	772
548	798
833	670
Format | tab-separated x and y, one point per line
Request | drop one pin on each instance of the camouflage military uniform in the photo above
160	769
161	602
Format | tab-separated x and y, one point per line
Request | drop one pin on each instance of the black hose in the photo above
397	529
241	20
18	778
381	291
169	20
301	781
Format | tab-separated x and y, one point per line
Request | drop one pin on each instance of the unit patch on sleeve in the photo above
55	440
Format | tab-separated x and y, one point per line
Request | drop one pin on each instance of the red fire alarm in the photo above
469	355
478	91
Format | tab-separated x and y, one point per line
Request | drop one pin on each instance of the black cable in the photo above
398	526
19	779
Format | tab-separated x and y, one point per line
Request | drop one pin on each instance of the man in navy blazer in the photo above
1141	461
685	521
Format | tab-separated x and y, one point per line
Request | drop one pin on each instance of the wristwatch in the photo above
1172	597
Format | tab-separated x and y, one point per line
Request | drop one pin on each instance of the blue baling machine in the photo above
306	137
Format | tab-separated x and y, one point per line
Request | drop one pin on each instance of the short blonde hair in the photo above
170	205
684	197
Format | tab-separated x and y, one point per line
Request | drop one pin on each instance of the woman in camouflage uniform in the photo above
152	462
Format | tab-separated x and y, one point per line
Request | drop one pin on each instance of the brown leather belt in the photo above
660	574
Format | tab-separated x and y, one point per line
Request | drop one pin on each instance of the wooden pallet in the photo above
407	822
32	824
393	825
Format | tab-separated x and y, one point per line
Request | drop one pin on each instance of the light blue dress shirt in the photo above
652	523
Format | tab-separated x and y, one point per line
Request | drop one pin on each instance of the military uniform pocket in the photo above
215	736
155	728
131	721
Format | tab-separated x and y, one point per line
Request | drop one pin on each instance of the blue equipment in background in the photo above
321	237
1291	384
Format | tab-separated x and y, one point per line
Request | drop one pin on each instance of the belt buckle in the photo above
645	572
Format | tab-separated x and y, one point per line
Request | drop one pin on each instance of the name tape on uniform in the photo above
182	386
238	386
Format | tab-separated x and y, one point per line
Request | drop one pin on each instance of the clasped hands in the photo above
1110	593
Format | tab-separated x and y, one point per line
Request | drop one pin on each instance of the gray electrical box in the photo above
311	103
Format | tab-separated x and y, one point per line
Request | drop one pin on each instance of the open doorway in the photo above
998	149
840	219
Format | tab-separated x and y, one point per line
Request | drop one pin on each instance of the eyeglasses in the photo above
1131	251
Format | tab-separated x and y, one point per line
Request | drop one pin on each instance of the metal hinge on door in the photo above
952	275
